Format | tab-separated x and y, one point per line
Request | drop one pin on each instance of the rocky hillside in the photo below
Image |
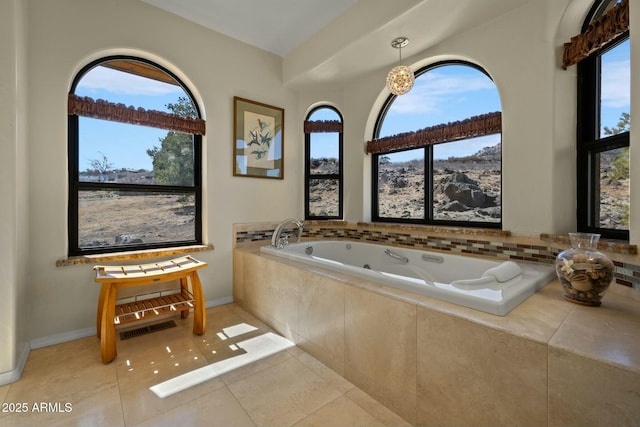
465	189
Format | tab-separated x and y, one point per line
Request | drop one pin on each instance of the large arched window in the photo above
604	98
437	150
323	163
134	158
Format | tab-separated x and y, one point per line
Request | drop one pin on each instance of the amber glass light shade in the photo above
400	80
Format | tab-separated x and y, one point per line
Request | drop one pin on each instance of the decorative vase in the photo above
584	272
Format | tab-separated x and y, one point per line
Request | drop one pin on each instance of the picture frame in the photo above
258	139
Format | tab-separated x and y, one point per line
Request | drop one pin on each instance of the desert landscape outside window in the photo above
604	106
323	164
455	181
132	185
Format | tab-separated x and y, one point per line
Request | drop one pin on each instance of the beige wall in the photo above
63	37
14	232
518	49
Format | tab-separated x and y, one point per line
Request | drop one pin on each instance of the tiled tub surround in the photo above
483	284
465	241
548	362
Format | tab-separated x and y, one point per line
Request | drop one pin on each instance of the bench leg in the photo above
199	315
104	290
107	328
184	288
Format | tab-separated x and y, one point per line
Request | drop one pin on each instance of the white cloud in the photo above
616	84
432	90
101	78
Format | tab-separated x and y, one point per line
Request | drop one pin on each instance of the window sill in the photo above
133	255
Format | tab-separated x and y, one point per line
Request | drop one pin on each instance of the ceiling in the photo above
277	26
330	41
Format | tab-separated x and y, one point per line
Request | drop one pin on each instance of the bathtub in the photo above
491	286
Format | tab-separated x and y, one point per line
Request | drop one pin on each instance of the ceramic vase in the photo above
584	272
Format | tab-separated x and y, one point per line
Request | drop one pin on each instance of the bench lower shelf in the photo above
143	309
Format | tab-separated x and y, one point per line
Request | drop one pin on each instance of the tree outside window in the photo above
132	185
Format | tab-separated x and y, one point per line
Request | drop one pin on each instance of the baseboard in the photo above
219	301
62	337
14	375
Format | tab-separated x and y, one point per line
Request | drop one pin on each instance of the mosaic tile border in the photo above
625	273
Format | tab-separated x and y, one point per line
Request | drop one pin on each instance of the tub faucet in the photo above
394	255
280	242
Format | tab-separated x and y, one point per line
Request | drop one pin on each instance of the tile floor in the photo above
67	384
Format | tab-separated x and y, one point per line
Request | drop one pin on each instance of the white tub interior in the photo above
491	286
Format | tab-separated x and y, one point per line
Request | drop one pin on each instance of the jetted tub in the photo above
490	286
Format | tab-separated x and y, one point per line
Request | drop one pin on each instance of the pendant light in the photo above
400	79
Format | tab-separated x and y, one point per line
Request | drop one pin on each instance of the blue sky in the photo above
616	84
124	145
442	95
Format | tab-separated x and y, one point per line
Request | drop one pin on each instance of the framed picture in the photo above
258	134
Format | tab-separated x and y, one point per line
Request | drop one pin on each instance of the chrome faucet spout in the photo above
280	242
394	255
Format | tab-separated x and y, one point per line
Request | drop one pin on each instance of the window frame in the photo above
307	169
428	166
76	186
589	142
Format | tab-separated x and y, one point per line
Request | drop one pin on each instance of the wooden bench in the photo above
110	314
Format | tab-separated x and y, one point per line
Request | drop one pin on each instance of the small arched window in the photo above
604	100
135	144
323	164
437	150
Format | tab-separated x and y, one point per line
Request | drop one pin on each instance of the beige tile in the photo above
73	379
321	319
342	412
380	349
253	268
238	277
470	374
281	389
537	318
63	373
217	408
376	409
138	373
271	293
76	355
155	345
584	392
98	406
226	329
333	361
283	394
609	333
333	379
3	392
255	367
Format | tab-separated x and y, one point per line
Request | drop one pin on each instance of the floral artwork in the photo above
258	139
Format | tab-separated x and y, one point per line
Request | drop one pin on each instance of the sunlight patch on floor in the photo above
255	349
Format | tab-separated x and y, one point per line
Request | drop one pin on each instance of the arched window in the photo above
437	150
323	163
604	99
134	158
